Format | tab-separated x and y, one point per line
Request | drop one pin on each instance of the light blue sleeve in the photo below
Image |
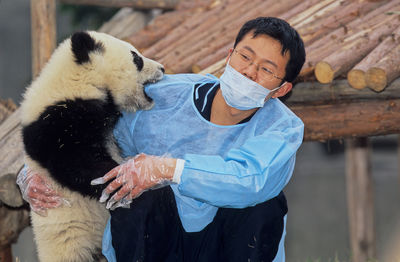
251	174
123	134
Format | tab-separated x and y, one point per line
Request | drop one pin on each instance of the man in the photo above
216	154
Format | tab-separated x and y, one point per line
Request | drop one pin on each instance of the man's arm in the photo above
245	177
251	174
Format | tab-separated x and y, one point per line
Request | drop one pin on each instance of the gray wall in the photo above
15	58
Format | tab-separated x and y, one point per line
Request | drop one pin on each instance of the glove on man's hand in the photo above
38	192
135	176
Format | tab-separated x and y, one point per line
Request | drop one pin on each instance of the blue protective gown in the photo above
225	166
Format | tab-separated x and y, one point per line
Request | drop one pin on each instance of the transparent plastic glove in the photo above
38	192
134	177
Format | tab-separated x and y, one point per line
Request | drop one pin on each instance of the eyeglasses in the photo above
265	72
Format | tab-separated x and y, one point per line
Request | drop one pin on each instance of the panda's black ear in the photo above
82	44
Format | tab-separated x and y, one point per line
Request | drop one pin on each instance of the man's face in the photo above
260	60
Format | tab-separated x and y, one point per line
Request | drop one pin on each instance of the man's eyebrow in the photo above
248	48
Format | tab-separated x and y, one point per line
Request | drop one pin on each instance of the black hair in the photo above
285	34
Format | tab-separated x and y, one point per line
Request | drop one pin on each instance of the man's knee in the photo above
146	226
255	232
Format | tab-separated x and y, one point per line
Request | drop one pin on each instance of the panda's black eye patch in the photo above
137	60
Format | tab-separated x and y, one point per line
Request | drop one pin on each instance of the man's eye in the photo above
245	57
266	70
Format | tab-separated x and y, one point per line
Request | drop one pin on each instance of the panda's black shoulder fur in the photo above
82	44
69	140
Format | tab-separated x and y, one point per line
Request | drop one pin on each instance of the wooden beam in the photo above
314	93
339	111
138	4
344	120
360	199
11	153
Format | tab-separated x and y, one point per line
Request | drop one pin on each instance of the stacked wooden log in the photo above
379	67
361	37
339	36
139	4
14	216
126	22
163	24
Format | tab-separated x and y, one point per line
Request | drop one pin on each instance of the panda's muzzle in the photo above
147	97
158	76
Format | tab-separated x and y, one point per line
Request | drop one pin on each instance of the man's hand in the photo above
38	192
132	178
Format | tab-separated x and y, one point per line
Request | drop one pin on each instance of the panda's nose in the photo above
162	69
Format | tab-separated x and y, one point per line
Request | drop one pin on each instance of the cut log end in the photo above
324	72
196	69
356	79
169	71
376	79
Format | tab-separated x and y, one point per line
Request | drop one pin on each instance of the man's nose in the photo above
251	71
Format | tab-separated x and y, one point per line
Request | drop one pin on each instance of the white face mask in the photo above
241	92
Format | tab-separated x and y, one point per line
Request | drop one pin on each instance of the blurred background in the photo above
317	221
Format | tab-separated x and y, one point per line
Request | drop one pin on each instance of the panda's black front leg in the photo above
78	177
69	140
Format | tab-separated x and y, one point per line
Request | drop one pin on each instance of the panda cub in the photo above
67	115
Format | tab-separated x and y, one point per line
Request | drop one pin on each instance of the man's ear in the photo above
283	90
229	55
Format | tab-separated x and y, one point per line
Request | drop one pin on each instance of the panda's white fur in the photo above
73	232
63	78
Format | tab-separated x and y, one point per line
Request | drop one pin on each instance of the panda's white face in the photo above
122	69
92	65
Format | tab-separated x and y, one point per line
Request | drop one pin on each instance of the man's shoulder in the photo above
190	77
181	80
176	85
283	112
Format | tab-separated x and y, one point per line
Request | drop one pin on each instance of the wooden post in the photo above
360	199
43	32
398	157
5	253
